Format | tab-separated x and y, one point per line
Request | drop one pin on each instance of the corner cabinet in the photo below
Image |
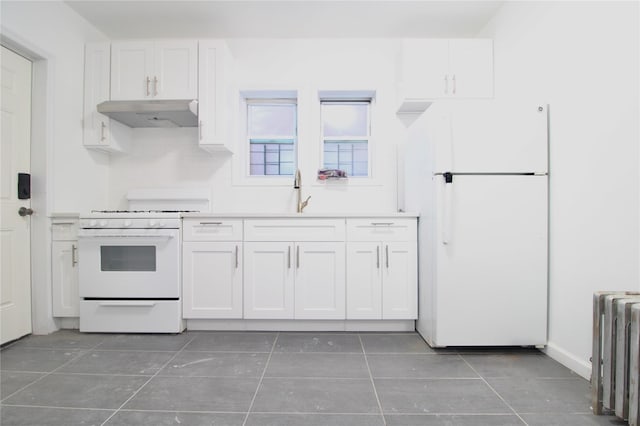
212	268
214	96
382	270
434	69
99	131
161	69
64	267
295	269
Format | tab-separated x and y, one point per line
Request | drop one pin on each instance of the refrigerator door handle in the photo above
447	207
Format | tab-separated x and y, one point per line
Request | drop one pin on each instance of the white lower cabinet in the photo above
382	269
268	280
320	280
212	268
303	268
65	278
64	267
212	279
301	280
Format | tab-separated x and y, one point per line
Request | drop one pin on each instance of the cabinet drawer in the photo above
131	316
212	229
294	230
381	229
64	230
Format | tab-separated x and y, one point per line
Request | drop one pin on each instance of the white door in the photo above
399	280
175	73
15	289
212	280
492	271
320	280
268	280
132	70
364	280
491	136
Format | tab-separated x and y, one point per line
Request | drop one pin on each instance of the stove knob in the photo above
103	223
93	223
153	223
127	223
160	223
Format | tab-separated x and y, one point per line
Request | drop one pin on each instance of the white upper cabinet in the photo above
439	68
165	69
99	131
214	96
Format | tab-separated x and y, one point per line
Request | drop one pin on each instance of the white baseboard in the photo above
577	365
300	325
71	323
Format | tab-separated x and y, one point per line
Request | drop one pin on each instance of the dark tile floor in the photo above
280	379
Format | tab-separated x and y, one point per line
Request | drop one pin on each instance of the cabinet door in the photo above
268	280
64	280
399	280
131	70
471	68
320	280
364	280
213	102
175	72
212	280
425	64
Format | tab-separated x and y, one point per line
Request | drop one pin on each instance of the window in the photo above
272	135
346	130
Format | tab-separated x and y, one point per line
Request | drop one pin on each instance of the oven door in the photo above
129	263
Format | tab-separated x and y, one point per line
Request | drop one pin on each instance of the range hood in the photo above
156	113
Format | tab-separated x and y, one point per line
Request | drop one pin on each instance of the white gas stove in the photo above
130	270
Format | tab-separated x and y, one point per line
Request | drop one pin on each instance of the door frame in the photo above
42	130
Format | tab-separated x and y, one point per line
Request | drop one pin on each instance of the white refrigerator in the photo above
477	172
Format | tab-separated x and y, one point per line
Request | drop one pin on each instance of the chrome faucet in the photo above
297	185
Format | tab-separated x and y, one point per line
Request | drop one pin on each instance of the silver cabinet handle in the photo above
298	257
454	84
155	86
102	127
387	253
200	130
289	257
236	257
148	82
378	257
210	223
381	223
446	84
74	258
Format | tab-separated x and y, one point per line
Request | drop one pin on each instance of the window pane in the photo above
257	170
272	169
345	119
267	119
286	169
348	155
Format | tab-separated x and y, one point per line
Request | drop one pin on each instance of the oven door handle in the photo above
127	303
163	237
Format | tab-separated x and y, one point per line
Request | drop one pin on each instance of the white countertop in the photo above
299	215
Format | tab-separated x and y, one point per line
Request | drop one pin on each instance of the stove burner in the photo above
144	211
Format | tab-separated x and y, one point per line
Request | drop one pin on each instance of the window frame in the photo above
368	138
248	102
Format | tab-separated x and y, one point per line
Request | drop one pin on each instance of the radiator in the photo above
615	381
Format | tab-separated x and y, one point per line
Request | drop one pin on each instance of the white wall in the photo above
582	59
65	176
171	157
58	34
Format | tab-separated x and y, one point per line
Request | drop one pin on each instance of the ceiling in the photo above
289	18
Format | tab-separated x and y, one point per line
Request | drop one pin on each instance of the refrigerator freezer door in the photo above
491	272
492	137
